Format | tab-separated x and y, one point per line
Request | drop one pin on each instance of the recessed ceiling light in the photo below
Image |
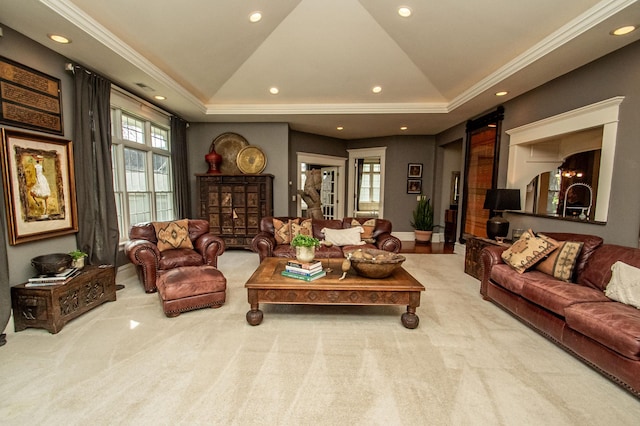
502	93
623	30
255	17
274	90
339	128
403	128
404	11
160	97
376	89
59	39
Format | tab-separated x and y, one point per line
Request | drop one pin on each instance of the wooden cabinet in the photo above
450	225
51	307
474	246
234	205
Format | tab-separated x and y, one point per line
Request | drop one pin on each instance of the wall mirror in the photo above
546	158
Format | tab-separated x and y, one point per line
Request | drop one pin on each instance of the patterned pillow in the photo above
282	230
173	235
561	262
528	250
624	285
303	228
368	226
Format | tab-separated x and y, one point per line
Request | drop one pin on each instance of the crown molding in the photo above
342	108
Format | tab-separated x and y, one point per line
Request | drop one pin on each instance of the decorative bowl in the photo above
372	263
51	264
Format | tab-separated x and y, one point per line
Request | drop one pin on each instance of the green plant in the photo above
77	254
305	241
423	215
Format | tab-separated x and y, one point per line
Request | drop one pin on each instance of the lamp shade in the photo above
502	199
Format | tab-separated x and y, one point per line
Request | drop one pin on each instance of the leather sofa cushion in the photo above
556	295
614	325
597	273
503	275
179	257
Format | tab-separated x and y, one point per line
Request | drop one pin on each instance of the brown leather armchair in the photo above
143	252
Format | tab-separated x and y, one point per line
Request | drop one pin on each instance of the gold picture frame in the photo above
39	186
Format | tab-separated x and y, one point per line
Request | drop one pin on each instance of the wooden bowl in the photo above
372	263
51	264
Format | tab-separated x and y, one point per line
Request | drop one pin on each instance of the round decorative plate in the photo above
228	145
251	160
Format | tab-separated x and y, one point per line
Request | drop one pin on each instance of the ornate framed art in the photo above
39	186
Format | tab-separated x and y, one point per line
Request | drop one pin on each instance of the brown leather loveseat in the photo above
264	243
575	315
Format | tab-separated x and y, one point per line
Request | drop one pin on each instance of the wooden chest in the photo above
474	246
51	307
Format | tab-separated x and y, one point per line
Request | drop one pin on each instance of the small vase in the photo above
214	159
305	254
78	263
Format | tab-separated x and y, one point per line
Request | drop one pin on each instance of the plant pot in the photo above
305	254
78	263
423	236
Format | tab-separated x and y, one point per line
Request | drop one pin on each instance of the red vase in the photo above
214	159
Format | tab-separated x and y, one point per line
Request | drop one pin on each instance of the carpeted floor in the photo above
468	363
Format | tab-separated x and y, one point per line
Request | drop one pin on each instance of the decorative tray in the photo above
228	145
251	160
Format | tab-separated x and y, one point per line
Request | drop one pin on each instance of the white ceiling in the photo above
437	68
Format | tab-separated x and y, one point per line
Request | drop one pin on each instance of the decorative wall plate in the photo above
251	160
228	145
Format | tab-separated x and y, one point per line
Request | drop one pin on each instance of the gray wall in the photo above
613	75
272	138
27	52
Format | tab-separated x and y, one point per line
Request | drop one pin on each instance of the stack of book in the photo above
57	279
304	271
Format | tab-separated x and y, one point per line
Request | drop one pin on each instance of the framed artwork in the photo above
39	186
29	99
414	186
414	170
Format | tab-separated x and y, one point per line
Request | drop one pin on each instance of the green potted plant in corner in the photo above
422	221
77	257
305	247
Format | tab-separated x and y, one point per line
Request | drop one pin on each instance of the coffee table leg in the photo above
254	316
409	318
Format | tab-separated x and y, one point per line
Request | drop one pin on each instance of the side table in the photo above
51	307
474	246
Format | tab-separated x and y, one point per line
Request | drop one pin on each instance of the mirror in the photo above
567	191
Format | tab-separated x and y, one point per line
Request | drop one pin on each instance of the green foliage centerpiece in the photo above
305	247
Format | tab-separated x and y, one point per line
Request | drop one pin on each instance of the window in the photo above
142	168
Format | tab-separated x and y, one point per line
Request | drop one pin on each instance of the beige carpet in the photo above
468	363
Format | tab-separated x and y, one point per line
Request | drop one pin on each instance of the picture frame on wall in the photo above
414	186
414	170
39	186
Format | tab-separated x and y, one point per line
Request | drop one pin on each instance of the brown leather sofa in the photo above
576	315
264	243
143	252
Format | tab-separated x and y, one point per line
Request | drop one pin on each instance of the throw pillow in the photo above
561	262
304	228
344	237
282	230
624	285
368	226
528	250
173	235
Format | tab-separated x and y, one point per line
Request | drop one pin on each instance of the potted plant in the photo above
422	221
77	257
305	247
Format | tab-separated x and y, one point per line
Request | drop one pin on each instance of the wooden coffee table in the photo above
266	285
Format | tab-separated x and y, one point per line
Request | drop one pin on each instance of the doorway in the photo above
332	189
366	182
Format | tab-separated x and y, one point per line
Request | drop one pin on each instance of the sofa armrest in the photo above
386	241
210	246
489	256
263	244
146	256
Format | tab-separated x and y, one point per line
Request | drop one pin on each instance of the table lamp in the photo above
499	200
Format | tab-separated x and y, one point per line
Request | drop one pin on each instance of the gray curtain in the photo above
179	156
98	233
5	288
